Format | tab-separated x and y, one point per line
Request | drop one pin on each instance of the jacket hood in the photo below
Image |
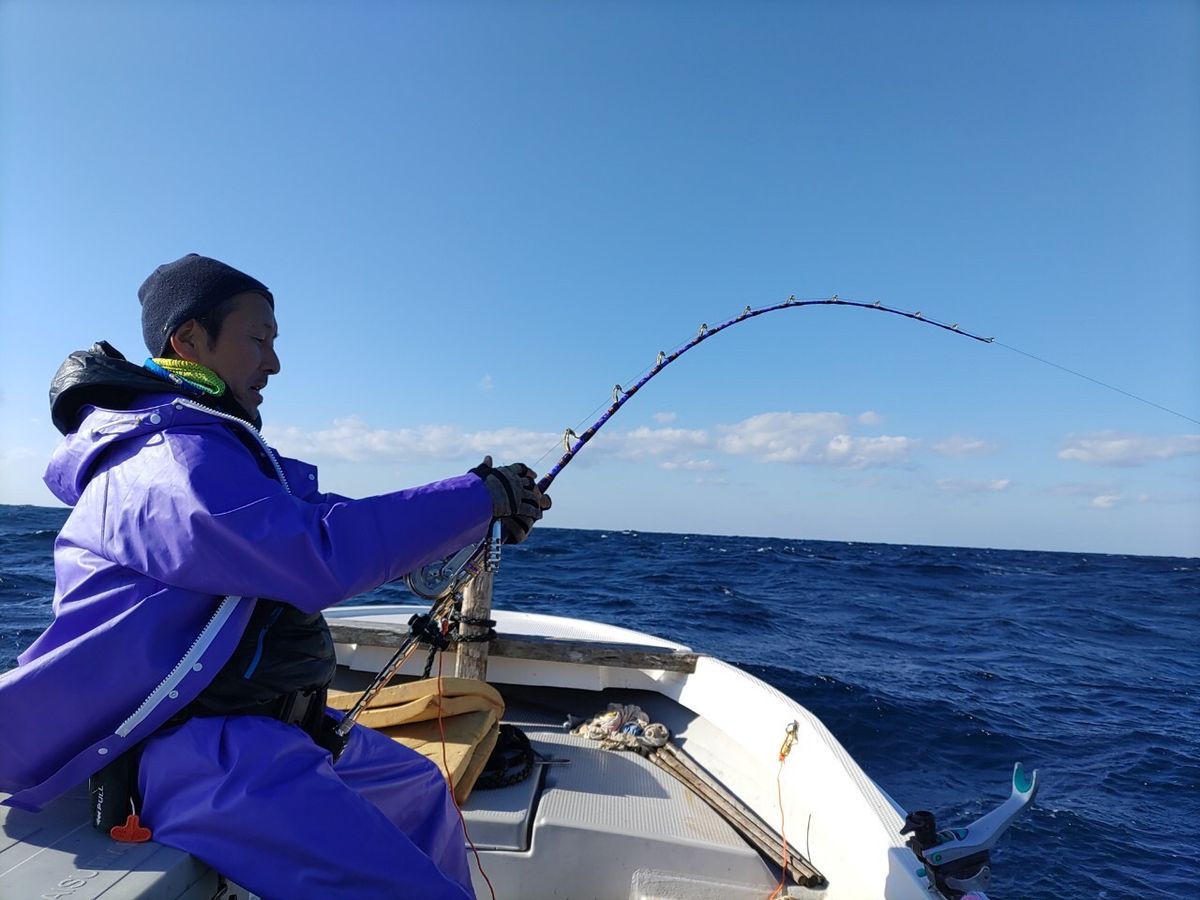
98	398
101	376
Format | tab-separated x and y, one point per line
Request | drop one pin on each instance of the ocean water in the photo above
936	667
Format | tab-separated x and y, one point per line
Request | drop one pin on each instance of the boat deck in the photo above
587	823
598	823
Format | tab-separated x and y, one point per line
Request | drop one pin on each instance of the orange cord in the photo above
450	777
778	892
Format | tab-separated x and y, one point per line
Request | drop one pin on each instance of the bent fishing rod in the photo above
442	582
620	395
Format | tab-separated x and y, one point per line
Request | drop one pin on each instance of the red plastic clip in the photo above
132	832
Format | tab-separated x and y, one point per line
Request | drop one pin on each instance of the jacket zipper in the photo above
222	613
182	401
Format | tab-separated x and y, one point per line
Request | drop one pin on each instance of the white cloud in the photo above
810	438
1081	489
973	485
689	465
962	445
1108	501
860	453
1106	495
870	417
649	442
1110	448
13	455
486	384
665	418
353	440
780	436
821	438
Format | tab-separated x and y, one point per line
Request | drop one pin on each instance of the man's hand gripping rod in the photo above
441	582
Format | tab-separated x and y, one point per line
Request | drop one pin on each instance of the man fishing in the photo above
188	660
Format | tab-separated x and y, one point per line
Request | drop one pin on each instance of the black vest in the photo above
282	650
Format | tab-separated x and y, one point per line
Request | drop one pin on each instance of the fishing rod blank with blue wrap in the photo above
620	395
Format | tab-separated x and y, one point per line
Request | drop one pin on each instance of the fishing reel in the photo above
957	860
441	583
449	575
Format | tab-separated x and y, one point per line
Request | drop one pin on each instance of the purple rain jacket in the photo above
176	529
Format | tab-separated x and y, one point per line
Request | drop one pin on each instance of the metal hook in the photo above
617	392
791	299
567	435
661	357
788	740
745	312
703	329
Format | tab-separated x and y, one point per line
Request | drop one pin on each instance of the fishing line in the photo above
1097	381
573	442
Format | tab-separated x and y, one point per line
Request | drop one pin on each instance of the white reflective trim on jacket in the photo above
222	613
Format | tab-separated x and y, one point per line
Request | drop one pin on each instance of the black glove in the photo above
516	500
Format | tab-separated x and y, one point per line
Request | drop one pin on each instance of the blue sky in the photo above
476	218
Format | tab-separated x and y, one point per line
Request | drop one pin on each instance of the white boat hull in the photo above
606	825
832	811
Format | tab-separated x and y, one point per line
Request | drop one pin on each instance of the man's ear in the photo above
185	340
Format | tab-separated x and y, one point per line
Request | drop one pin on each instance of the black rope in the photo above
510	762
490	635
429	663
426	630
457	620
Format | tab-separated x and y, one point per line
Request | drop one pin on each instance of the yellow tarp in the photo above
470	714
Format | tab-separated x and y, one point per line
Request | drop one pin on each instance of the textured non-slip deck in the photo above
600	818
56	854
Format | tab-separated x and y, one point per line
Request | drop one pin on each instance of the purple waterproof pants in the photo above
259	802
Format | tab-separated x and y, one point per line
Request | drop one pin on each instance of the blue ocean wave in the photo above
937	668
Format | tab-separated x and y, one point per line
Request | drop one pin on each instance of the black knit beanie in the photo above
186	289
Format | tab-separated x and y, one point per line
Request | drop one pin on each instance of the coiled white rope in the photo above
624	727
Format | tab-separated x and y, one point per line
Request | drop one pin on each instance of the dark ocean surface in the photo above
936	667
